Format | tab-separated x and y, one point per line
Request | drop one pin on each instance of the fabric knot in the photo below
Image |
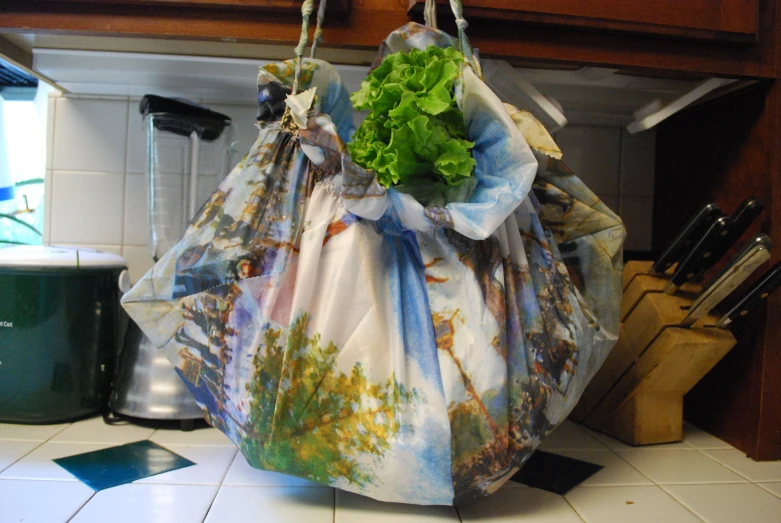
462	24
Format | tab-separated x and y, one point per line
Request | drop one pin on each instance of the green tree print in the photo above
314	421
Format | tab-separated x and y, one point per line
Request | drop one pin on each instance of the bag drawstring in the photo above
306	11
319	30
430	19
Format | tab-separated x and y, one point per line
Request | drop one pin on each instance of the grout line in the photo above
124	173
690	509
230	466
725	466
637	469
89	172
680	503
49	173
620	165
458	514
40	443
81	507
701	483
216	493
225	474
778	495
277	486
574	509
50	480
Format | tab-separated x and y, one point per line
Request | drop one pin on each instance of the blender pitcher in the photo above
188	155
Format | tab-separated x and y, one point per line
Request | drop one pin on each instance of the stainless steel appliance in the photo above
188	152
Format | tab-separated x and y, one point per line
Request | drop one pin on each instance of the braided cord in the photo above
306	11
430	14
430	19
319	30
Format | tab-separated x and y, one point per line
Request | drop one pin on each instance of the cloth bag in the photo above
341	332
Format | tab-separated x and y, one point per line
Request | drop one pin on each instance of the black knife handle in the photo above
744	216
746	213
686	238
718	233
762	288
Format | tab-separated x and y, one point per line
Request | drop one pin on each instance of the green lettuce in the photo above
414	136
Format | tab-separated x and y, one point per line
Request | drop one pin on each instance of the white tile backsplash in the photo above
87	207
636	212
51	112
245	131
48	195
136	210
138	259
96	191
90	135
594	154
136	140
638	163
611	202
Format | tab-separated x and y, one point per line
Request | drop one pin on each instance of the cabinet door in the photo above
339	6
731	20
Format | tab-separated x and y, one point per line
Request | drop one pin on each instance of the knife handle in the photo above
746	213
758	241
686	238
735	273
758	292
744	216
718	233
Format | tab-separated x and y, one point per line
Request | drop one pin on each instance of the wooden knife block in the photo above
637	395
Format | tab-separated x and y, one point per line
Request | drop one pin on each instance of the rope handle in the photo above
430	19
306	11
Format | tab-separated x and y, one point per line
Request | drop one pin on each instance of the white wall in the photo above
96	192
619	167
95	181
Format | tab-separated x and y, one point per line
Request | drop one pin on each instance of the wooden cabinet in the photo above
611	33
334	6
729	20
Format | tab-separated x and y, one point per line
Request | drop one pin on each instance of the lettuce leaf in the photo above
414	135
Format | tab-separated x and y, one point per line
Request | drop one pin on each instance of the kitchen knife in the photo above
754	254
746	213
743	217
687	237
758	292
713	241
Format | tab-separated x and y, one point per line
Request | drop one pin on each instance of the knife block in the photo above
637	395
637	284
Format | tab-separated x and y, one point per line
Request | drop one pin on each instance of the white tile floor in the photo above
701	479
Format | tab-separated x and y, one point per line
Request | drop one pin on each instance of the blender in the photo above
188	154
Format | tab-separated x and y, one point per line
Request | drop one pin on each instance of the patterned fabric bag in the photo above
341	332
